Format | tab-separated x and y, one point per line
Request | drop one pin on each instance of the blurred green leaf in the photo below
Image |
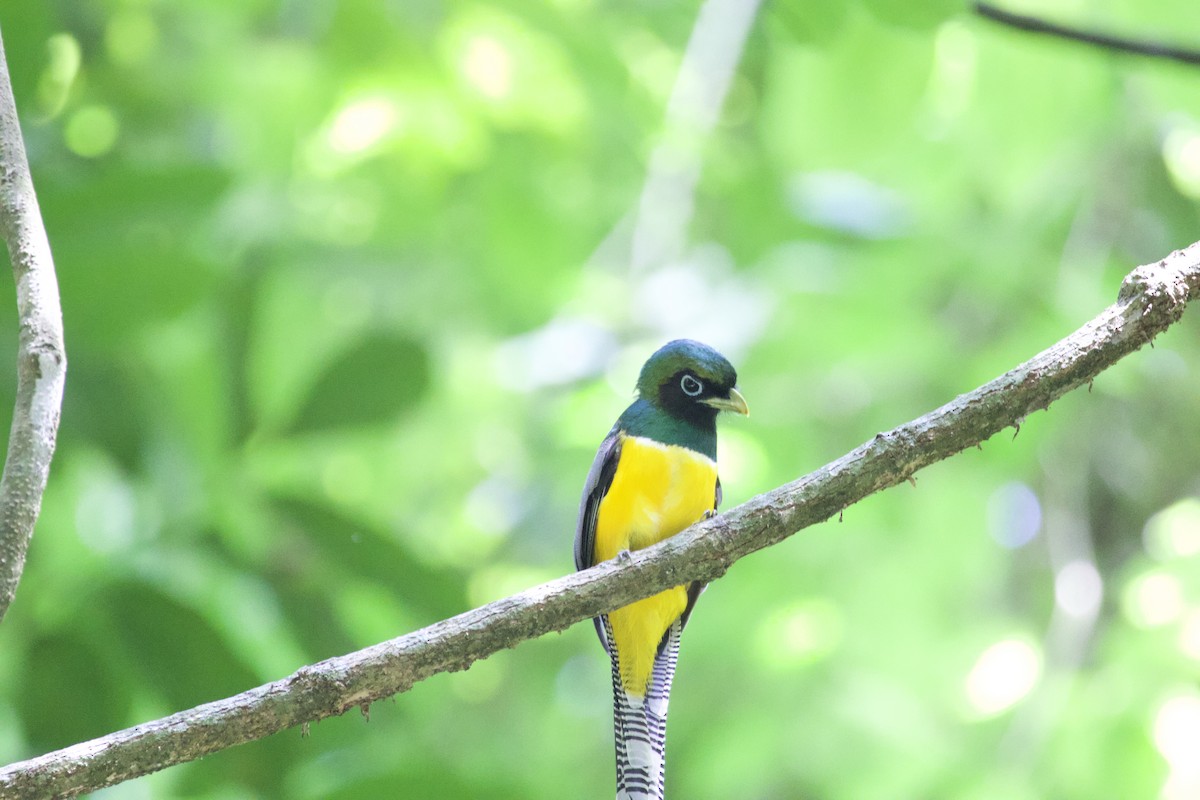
73	691
101	405
179	654
128	261
367	554
371	383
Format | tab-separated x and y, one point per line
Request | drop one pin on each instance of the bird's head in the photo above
690	381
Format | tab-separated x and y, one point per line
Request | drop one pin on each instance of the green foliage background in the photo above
348	307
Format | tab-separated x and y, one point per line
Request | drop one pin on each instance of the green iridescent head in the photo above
681	389
690	381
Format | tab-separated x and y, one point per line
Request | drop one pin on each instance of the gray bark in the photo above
41	358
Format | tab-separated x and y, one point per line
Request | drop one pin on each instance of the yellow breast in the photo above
657	491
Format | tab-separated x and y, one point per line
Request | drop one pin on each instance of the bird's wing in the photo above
599	479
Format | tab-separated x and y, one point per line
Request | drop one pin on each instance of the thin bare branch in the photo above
1108	41
41	359
1152	297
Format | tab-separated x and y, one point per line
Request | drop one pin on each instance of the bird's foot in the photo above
624	556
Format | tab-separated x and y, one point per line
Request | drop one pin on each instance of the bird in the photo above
654	474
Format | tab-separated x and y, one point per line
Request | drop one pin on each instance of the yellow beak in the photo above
735	403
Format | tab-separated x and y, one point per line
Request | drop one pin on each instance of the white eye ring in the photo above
691	387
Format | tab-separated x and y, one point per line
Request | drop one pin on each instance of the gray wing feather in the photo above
599	479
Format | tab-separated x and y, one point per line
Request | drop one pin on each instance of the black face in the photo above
682	396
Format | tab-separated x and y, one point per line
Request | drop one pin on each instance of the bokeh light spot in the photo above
64	59
487	66
1189	635
1153	599
800	633
1174	532
362	124
1003	674
1014	515
91	131
1181	154
1078	589
1177	730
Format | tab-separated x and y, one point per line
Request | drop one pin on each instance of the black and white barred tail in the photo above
640	723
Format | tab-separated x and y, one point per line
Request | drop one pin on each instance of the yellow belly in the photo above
657	491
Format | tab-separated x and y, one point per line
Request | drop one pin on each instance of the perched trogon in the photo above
655	474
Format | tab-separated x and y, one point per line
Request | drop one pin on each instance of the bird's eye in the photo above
691	387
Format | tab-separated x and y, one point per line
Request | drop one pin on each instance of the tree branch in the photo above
41	359
1141	47
1152	297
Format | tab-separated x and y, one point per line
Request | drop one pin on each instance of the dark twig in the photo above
1123	44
